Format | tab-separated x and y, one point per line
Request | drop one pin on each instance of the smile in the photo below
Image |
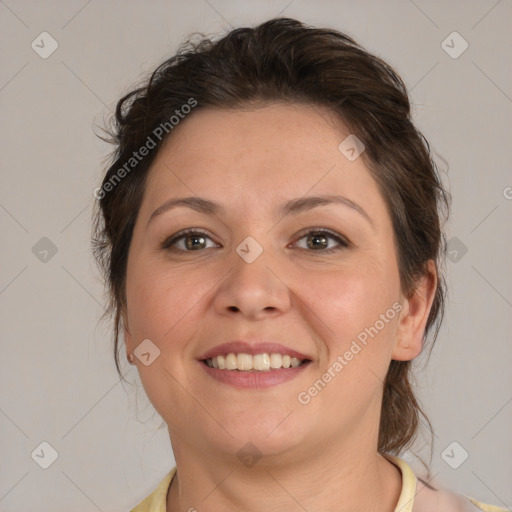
259	371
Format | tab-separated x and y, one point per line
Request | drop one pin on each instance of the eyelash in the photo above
343	243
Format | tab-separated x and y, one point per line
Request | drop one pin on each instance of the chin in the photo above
274	435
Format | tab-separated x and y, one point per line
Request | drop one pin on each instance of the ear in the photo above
127	341
414	316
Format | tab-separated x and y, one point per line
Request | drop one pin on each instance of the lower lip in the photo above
256	379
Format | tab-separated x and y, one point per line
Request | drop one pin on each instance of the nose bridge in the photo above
253	286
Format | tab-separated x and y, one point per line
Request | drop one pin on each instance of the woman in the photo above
270	231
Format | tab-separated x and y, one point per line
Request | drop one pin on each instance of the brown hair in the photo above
287	61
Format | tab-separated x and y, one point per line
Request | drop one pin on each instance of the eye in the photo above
190	240
318	240
194	239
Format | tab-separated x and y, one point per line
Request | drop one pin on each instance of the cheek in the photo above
163	303
349	299
357	344
357	308
163	306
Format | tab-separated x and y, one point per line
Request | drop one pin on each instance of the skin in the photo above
321	456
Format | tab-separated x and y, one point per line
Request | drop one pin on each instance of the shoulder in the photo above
429	498
156	501
420	496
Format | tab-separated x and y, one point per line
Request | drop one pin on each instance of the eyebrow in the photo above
293	206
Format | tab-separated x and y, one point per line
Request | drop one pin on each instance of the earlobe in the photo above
414	316
128	344
127	337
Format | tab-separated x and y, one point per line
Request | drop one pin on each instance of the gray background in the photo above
57	378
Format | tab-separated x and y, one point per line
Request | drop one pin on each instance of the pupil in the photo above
314	245
191	245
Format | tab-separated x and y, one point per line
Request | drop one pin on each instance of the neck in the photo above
354	478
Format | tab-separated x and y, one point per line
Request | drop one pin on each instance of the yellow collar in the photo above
156	501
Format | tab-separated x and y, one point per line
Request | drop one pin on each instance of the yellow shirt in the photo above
414	493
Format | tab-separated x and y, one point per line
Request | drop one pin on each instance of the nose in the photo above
255	290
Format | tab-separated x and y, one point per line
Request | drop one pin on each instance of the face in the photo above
333	296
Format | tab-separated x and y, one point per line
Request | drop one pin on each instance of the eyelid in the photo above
320	229
169	241
342	240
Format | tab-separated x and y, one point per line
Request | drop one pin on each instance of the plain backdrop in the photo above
58	383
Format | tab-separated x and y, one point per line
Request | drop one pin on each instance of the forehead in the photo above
269	132
258	155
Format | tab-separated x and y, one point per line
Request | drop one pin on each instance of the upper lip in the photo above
238	347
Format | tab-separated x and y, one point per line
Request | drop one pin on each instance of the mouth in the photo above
255	364
264	362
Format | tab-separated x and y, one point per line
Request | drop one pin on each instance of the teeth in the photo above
244	362
261	362
276	360
231	362
247	362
